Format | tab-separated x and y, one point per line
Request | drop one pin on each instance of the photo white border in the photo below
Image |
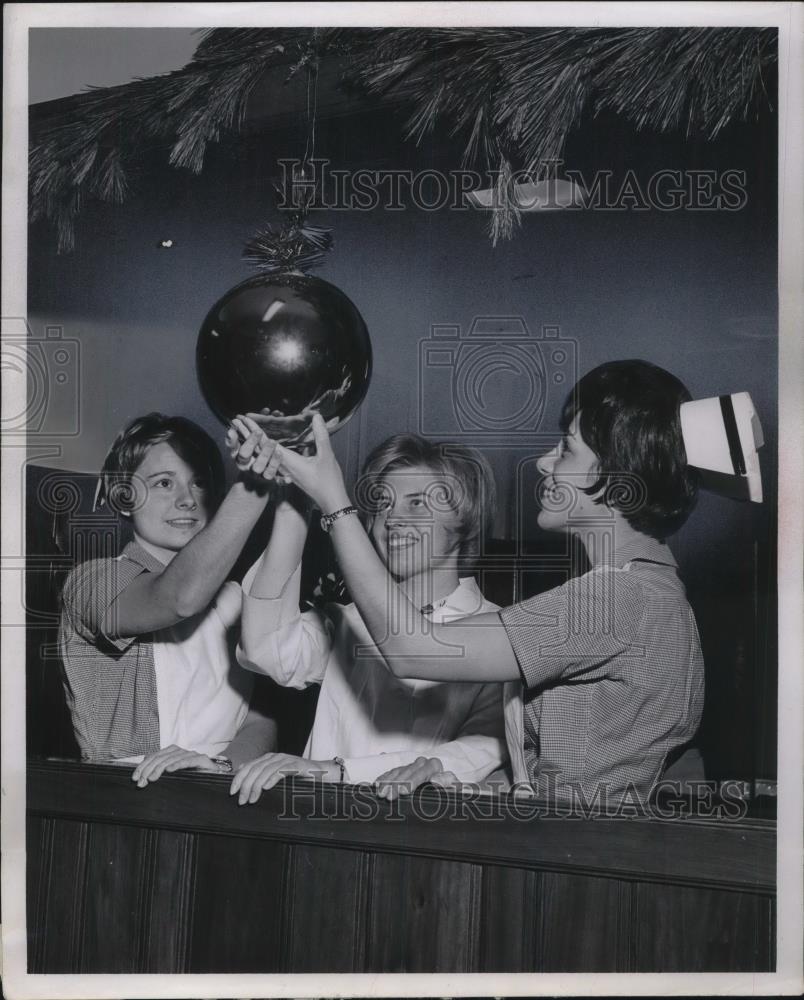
789	18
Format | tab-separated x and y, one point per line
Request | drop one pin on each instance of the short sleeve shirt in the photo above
130	695
614	677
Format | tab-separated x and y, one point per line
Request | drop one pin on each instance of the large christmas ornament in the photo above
280	347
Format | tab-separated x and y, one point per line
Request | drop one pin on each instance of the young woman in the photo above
144	638
427	506
610	662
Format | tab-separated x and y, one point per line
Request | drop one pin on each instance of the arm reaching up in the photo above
476	650
276	639
194	575
283	553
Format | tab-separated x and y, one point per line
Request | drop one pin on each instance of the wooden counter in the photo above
178	878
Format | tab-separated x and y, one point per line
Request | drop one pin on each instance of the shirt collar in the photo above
465	599
644	548
136	553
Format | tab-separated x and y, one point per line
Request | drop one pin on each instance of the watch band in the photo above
225	765
342	765
327	520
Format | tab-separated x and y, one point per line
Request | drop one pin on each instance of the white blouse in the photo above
375	721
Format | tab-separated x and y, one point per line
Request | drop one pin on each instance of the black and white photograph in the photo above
402	528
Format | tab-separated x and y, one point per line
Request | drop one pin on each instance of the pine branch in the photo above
88	153
514	95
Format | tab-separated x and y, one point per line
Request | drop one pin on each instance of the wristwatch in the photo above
225	766
327	520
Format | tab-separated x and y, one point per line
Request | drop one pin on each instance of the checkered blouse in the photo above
110	682
614	676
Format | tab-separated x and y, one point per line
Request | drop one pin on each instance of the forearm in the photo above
378	598
420	649
470	760
472	757
473	649
478	747
195	575
257	735
276	639
292	651
283	552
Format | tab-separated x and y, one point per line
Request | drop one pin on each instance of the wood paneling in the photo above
238	906
178	878
327	911
509	935
717	853
168	902
424	915
57	851
584	924
115	911
681	929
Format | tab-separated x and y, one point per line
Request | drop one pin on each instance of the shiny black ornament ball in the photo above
279	348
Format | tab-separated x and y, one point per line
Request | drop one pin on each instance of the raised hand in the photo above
318	475
251	448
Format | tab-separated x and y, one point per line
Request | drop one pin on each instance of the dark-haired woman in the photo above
144	637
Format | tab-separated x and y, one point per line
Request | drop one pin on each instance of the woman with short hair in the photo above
425	506
144	637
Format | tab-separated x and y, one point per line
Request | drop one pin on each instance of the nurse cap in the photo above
721	437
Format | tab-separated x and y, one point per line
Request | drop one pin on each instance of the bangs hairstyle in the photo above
471	491
629	417
192	444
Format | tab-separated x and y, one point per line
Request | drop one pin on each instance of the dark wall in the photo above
693	291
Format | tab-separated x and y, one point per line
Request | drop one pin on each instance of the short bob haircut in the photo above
469	489
629	417
188	440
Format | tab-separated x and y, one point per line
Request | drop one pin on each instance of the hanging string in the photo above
296	245
311	101
315	105
306	156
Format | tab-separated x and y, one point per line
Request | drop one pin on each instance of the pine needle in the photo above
295	246
513	94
